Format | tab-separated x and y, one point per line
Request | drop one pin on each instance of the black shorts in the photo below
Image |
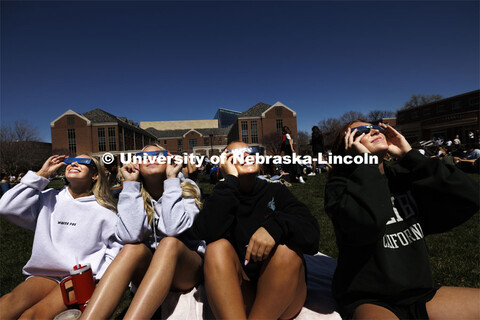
415	310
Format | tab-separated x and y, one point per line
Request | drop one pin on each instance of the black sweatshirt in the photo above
236	216
380	222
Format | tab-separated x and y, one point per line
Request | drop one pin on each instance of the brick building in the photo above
96	131
445	118
262	125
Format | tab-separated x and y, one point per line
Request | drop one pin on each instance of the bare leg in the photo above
454	303
371	311
223	279
47	308
129	265
25	295
281	288
174	266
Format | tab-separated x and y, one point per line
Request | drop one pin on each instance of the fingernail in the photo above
245	263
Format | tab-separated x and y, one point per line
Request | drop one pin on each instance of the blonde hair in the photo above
188	191
101	188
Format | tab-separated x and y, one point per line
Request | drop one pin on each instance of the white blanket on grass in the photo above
319	304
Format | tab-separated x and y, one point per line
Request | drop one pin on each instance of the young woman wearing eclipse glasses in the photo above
381	214
156	209
73	225
256	234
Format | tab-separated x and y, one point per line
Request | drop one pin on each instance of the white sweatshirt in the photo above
174	215
64	227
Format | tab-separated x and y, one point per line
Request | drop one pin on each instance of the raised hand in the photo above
226	164
51	166
173	168
260	245
352	144
398	145
130	172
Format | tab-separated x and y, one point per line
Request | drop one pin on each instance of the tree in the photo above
272	143
351	116
330	126
19	150
303	143
420	99
376	115
329	129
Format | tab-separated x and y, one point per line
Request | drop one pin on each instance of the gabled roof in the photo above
255	111
99	116
278	104
70	112
102	116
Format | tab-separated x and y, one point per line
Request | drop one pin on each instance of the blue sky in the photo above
159	60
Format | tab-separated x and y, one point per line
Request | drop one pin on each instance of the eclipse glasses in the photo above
250	150
366	129
155	153
85	161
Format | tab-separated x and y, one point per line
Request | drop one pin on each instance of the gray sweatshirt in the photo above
174	215
66	229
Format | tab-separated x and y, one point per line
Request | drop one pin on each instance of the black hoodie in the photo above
235	216
380	222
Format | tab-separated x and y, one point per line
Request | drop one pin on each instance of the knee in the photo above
217	253
170	245
136	252
286	259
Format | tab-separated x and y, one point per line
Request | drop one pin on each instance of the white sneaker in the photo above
301	180
311	174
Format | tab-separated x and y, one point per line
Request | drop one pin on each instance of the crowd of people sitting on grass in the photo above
246	243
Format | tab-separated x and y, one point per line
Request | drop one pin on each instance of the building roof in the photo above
102	116
162	134
255	111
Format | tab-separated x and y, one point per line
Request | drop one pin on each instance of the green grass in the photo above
454	255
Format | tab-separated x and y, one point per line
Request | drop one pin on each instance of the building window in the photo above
179	144
102	146
254	132
120	137
456	105
164	141
70	120
192	143
72	141
442	108
278	111
473	101
245	131
427	111
279	126
219	140
112	140
205	142
414	114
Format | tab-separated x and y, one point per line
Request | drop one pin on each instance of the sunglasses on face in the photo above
155	153
85	161
366	129
250	150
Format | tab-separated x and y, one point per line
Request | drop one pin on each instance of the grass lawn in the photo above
454	255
